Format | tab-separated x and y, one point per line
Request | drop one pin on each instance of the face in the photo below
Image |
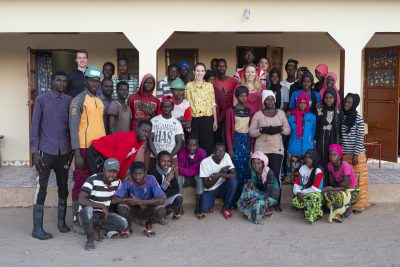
219	152
211	80
144	132
92	84
334	157
248	57
221	68
178	94
122	67
165	162
138	176
60	83
199	73
257	165
167	107
307	83
348	103
328	100
108	71
303	105
330	82
318	75
291	71
214	65
183	71
172	73
108	88
192	146
242	99
263	64
82	60
269	102
275	78
308	160
148	85
250	73
123	92
299	73
110	176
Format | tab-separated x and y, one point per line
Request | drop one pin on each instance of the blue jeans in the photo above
226	191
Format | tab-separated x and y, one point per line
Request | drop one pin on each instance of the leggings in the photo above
275	163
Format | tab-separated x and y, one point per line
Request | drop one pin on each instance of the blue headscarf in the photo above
183	64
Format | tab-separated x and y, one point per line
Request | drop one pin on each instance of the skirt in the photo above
361	172
339	201
312	206
241	150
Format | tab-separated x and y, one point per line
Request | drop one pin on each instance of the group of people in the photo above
133	148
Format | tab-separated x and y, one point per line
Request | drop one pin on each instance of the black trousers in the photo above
202	127
275	163
60	165
94	160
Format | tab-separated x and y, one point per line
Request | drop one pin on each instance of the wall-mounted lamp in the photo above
247	13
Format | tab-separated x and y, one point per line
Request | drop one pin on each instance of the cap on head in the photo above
111	164
167	98
177	84
93	72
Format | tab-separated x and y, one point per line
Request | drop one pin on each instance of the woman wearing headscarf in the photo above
307	188
281	92
352	141
329	124
320	72
302	130
261	193
267	127
307	80
330	82
343	192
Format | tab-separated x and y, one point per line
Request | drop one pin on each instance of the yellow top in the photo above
201	99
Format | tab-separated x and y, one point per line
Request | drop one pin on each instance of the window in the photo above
133	60
174	56
260	52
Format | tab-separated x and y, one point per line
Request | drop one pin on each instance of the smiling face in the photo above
250	73
263	64
221	68
275	78
172	73
192	146
144	132
81	59
348	103
108	71
303	105
165	162
110	176
199	72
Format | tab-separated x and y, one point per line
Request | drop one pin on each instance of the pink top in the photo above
344	170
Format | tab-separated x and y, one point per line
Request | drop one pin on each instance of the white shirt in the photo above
179	110
286	84
165	131
208	167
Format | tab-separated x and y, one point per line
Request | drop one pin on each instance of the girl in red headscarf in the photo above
330	82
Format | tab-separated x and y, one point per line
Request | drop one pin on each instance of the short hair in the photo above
123	58
291	62
222	60
214	59
82	51
163	153
249	49
192	137
119	84
217	144
172	66
200	64
58	73
147	122
110	64
137	165
105	79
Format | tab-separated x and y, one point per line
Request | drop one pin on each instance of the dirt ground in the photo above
368	239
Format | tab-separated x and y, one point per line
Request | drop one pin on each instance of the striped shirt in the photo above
353	141
98	191
163	88
132	82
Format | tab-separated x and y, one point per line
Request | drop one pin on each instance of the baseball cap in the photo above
111	164
93	72
167	98
177	84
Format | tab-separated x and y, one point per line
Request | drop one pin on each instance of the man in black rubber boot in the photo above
51	150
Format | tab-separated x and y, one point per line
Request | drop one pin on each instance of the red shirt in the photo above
138	115
228	88
122	146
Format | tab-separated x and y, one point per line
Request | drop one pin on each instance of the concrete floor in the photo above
368	239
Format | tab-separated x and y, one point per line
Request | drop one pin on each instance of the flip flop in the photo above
113	234
125	233
149	232
200	216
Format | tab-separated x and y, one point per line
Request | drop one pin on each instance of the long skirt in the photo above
338	202
312	206
361	172
256	212
241	150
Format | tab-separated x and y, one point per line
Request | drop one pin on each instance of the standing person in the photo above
184	72
281	92
219	177
201	97
225	83
86	124
123	75
268	127
328	127
297	84
307	188
290	68
238	138
123	146
352	141
189	159
263	64
95	199
76	78
164	86
108	70
248	58
119	114
330	82
51	149
214	64
106	93
261	193
321	71
307	81
182	111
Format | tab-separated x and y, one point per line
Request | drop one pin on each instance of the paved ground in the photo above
369	239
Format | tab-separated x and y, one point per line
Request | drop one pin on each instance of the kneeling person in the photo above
95	199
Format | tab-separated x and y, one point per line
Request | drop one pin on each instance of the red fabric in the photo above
337	148
119	146
221	104
188	114
227	87
298	119
258	70
230	128
254	101
333	75
318	180
148	100
323	69
79	176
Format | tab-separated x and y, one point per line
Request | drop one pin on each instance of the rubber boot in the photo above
38	231
76	227
62	210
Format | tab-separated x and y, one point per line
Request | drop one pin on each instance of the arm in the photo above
112	123
178	144
254	129
360	128
285	125
316	185
85	201
35	135
229	129
215	124
75	113
151	144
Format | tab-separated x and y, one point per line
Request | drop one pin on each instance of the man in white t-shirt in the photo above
219	175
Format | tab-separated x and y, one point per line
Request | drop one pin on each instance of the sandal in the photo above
113	234
149	232
226	214
268	213
200	216
125	233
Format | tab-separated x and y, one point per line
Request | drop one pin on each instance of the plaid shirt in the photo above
133	85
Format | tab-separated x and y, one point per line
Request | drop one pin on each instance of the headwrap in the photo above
298	115
332	92
184	64
322	91
267	93
323	69
313	93
337	148
315	165
276	88
261	156
351	115
241	90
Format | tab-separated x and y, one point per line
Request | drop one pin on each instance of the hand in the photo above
326	189
159	201
355	159
143	207
251	201
318	106
277	129
38	162
300	197
189	129
181	119
224	169
145	108
79	161
215	126
171	175
105	210
215	176
230	152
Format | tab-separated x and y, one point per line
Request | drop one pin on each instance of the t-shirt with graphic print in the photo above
164	131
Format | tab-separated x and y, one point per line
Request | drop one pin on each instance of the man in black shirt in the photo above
76	78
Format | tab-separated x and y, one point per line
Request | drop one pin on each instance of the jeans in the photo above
226	191
89	219
194	181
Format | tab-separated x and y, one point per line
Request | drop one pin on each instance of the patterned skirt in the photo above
312	206
339	201
241	150
361	172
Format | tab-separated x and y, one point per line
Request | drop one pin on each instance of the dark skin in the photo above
122	92
241	104
214	64
123	69
318	75
192	146
291	74
329	100
59	84
336	160
299	73
165	162
178	95
258	167
108	89
348	104
221	71
166	108
308	161
148	88
249	57
330	82
108	71
225	172
172	73
275	80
